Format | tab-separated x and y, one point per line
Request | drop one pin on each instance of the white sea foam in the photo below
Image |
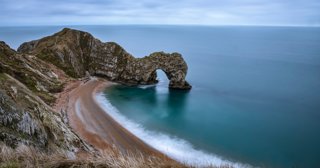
175	148
147	86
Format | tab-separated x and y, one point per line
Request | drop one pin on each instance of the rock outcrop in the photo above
26	84
77	52
39	76
30	78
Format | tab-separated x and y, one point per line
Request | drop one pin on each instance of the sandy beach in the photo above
93	123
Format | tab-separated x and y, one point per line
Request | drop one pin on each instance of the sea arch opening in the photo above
162	77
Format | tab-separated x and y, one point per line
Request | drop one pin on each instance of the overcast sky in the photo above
199	12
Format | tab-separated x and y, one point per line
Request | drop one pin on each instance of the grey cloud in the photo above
210	12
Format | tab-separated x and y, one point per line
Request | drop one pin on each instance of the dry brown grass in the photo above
28	157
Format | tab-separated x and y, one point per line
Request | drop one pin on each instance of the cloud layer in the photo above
203	12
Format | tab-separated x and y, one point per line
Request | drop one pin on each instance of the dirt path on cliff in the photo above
93	124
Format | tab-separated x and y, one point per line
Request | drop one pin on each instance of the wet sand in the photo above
93	124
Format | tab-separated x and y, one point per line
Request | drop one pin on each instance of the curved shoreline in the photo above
174	147
99	126
93	124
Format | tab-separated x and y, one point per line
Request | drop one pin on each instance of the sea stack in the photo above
76	52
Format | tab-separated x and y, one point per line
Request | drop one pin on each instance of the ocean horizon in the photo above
254	101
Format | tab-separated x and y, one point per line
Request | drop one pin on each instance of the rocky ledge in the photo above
77	52
27	88
31	77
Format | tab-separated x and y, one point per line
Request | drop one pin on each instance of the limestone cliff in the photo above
26	87
41	77
76	52
30	78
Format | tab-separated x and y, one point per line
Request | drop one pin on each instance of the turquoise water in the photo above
255	96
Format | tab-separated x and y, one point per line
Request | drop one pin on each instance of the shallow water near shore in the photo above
255	96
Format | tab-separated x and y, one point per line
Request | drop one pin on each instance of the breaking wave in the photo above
175	148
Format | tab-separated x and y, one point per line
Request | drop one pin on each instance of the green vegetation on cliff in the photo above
32	133
37	75
77	52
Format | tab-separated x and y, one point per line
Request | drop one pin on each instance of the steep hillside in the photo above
31	78
27	85
39	76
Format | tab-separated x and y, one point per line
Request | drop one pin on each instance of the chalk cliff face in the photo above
30	78
78	52
27	85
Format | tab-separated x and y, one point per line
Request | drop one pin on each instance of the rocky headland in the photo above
77	52
33	78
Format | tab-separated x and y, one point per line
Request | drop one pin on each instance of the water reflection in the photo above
166	101
177	100
146	94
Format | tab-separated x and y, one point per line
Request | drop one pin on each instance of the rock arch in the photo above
143	70
76	52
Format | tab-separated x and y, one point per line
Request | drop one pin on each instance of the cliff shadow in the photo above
177	101
146	94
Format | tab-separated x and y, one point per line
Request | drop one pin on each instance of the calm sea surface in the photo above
255	96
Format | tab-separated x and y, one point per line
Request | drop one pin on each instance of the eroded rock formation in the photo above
26	84
77	52
30	78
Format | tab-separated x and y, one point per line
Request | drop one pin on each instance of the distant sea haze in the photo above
255	97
